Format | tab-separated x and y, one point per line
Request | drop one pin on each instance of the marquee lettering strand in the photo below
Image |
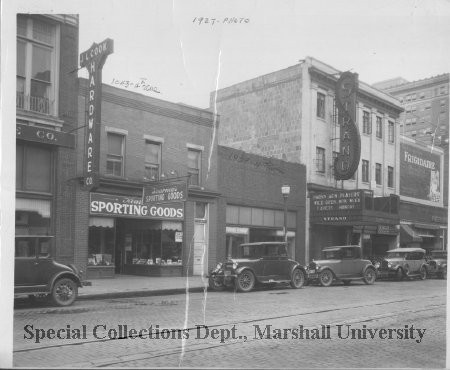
347	161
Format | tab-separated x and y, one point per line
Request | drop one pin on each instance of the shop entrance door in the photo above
200	265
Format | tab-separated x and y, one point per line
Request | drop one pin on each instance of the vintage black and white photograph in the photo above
224	184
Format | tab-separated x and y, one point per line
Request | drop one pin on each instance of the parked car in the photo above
403	262
257	263
37	274
437	264
341	263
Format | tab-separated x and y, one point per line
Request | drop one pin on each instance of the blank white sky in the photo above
157	40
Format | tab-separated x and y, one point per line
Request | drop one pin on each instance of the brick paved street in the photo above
385	305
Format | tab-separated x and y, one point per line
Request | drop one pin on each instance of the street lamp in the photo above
285	191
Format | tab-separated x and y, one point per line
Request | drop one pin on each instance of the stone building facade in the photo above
290	114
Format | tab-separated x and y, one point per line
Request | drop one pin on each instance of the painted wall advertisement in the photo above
420	173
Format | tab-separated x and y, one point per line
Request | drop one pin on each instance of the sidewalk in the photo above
122	286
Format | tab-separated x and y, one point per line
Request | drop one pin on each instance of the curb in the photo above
139	293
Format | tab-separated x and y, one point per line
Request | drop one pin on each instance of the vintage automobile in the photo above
36	274
437	264
257	263
341	263
403	263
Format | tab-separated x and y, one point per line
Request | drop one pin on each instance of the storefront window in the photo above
154	247
101	246
101	241
151	242
32	228
33	168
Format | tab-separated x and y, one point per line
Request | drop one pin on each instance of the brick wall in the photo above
64	206
255	181
177	125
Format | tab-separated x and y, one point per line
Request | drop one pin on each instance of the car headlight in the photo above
235	265
317	267
390	265
377	265
218	267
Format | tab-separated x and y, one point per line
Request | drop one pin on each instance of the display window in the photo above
32	227
152	247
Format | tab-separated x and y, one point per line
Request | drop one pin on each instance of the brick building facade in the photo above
148	142
426	115
46	95
252	206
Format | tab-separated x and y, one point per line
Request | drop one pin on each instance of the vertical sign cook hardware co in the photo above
94	59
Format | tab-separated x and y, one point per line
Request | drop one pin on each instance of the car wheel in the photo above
346	282
370	276
423	273
399	274
245	281
64	292
326	277
215	283
298	279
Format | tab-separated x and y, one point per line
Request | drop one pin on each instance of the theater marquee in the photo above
347	161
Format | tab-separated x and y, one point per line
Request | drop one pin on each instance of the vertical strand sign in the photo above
94	59
347	161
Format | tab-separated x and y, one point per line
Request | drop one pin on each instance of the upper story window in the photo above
152	159
365	171
379	127
378	174
367	123
391	132
35	65
320	159
115	154
33	168
194	166
443	90
390	177
321	105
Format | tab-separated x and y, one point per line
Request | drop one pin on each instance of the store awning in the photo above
427	226
408	233
172	225
101	222
34	205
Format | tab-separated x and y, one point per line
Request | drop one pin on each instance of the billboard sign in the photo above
165	192
420	173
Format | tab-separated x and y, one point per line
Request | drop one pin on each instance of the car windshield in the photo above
396	254
335	254
259	250
439	254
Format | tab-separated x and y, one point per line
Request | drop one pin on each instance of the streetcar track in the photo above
178	351
245	322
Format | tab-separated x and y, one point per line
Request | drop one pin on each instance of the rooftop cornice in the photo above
414	85
71	19
145	103
365	91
